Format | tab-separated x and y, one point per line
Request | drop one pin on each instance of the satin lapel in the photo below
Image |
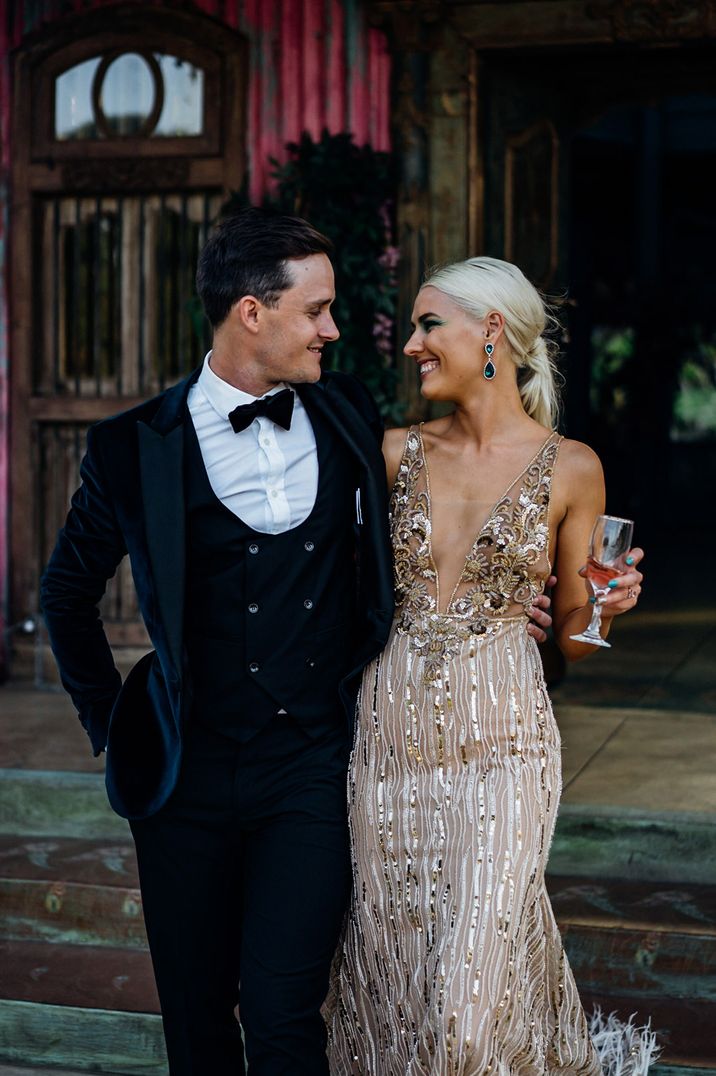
161	464
347	423
377	576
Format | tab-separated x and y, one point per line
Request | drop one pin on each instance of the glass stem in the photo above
596	622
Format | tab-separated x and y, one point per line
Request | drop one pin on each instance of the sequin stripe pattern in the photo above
452	962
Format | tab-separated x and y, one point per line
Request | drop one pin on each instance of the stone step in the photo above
85	1040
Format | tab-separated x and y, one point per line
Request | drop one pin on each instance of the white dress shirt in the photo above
265	475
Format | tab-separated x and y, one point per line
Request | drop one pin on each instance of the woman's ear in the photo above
494	325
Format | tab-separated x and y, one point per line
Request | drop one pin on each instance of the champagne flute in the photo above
608	547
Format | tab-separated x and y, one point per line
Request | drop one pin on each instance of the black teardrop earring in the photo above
489	370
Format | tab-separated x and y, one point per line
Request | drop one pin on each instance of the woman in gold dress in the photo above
452	962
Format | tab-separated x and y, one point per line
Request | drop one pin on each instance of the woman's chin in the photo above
431	390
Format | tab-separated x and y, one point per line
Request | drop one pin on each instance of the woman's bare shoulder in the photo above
578	460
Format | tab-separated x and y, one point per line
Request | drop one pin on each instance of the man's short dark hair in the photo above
246	254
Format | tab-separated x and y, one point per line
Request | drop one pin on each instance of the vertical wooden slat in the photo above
335	64
115	340
73	356
141	318
45	364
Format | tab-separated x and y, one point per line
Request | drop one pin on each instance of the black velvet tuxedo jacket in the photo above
131	501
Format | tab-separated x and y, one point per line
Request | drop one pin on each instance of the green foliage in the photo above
695	404
347	191
612	352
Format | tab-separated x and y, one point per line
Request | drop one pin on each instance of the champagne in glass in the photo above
608	547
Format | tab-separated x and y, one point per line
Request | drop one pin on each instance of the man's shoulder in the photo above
350	386
125	422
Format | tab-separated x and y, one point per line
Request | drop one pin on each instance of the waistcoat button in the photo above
311	663
253	607
253	548
308	604
253	667
309	546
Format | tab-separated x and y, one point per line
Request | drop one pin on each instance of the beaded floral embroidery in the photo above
504	570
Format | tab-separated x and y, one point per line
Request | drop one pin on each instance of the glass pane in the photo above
73	102
183	112
128	94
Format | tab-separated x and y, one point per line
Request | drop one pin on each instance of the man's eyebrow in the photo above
320	302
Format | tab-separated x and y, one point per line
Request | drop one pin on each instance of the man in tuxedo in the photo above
251	500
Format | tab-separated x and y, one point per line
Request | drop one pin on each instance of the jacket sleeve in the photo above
89	548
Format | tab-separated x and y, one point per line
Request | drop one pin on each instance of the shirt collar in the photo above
222	396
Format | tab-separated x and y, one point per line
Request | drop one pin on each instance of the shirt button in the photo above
266	442
253	548
273	492
253	607
253	667
308	604
309	546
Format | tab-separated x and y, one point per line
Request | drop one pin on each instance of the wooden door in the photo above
128	132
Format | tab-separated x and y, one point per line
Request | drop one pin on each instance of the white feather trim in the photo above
623	1049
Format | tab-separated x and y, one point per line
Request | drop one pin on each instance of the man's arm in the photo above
88	550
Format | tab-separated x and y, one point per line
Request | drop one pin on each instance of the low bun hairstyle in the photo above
479	285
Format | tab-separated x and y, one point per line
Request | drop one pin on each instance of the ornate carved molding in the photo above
656	20
126	174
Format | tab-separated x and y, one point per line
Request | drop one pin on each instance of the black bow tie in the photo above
278	408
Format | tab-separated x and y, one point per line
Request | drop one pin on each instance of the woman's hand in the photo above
624	594
539	611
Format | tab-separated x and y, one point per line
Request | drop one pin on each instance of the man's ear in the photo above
247	311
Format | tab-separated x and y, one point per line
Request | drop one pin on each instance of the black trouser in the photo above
245	876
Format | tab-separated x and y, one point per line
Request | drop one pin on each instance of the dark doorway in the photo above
642	277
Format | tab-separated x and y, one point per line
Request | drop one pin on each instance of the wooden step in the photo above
648	949
82	1039
87	861
84	976
57	804
70	891
593	841
71	914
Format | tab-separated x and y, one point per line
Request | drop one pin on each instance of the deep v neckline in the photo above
488	518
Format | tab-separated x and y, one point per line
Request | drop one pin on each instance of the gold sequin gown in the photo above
452	962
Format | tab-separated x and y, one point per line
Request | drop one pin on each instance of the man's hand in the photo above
540	619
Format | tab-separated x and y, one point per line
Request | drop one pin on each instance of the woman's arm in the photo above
393	446
582	492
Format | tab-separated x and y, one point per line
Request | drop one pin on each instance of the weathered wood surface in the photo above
604	842
88	977
57	805
89	1040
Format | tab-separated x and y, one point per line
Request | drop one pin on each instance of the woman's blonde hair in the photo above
479	285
